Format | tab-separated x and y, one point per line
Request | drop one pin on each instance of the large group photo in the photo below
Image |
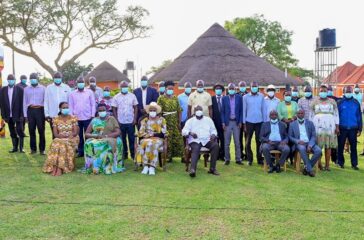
244	131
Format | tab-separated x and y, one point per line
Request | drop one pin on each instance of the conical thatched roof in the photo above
217	56
105	72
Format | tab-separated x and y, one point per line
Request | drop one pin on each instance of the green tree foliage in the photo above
74	70
159	68
71	27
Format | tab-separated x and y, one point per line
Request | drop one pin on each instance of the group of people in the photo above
101	128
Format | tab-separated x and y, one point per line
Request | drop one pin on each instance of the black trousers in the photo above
16	128
242	149
36	121
220	135
250	129
195	153
349	134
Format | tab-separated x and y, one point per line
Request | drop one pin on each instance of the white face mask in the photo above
199	113
153	114
271	93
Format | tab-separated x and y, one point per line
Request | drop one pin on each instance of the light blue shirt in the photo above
303	132
253	107
359	98
269	105
183	102
274	135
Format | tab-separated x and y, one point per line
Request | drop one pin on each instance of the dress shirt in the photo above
303	132
203	99
232	107
33	96
253	108
269	105
54	95
203	127
274	135
183	102
10	95
125	107
144	97
98	92
82	104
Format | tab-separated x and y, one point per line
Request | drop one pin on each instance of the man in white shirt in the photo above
55	93
201	132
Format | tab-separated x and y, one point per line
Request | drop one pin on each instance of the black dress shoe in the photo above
33	152
42	153
311	174
271	170
341	166
239	162
278	168
192	173
226	163
213	172
304	172
250	163
13	151
355	167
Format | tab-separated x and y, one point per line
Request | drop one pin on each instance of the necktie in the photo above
219	103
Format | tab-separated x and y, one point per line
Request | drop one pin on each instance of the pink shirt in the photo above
82	104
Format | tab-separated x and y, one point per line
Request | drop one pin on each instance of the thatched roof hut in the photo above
217	56
105	72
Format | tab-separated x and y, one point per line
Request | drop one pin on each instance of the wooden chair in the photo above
298	160
187	154
277	155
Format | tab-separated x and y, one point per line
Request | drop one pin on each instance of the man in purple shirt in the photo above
33	107
82	104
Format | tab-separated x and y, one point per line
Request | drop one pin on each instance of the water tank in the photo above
327	38
130	65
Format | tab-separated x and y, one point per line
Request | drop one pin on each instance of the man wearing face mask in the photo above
303	134
273	136
202	98
253	117
295	94
55	93
33	105
162	88
183	102
350	125
201	132
305	103
145	95
23	82
94	88
125	108
242	91
358	95
270	102
11	105
216	116
82	104
232	119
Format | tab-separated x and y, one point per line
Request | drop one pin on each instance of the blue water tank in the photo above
327	38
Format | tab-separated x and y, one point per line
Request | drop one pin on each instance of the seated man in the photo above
201	132
273	136
302	133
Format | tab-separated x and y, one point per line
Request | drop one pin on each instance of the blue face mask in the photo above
330	93
24	81
124	90
162	89
106	94
218	91
242	89
356	90
294	94
308	94
348	95
57	80
81	85
11	82
144	83
65	111
231	91
200	89
34	81
102	114
188	90
274	121
287	98
170	92
255	89
323	94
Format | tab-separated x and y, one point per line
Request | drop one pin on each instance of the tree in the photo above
159	68
265	38
74	70
91	24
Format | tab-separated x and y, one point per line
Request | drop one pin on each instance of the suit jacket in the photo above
265	132
16	106
152	96
294	132
225	109
216	114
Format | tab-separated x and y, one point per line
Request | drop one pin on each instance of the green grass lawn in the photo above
242	203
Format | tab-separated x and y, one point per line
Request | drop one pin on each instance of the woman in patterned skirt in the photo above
326	121
61	155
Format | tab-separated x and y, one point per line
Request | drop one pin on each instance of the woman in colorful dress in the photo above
61	155
103	147
326	121
106	99
152	131
172	113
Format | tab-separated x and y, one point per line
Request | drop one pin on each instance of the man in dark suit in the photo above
303	134
242	92
145	95
273	136
216	117
232	120
11	98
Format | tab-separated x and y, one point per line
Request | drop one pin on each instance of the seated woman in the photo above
61	155
152	131
103	147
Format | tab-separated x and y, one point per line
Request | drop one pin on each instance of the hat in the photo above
271	86
219	85
154	105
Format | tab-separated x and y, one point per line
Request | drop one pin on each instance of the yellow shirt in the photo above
203	99
289	111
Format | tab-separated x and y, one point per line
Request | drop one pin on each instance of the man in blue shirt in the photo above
183	102
350	126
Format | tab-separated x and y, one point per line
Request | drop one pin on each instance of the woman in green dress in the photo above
103	147
172	113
